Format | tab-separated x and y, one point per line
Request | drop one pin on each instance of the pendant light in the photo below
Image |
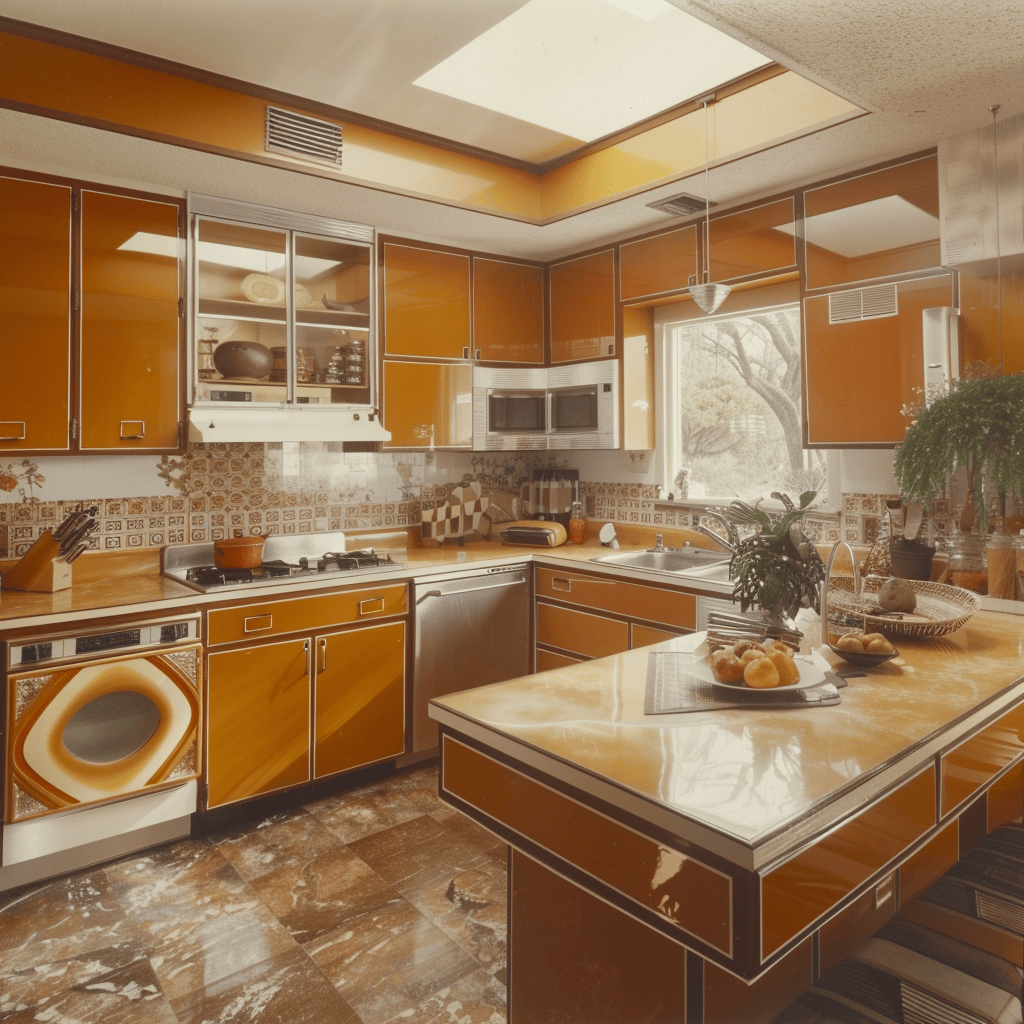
708	296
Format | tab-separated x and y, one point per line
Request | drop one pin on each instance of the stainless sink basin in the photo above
676	560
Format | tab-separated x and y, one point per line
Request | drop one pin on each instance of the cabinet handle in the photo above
305	651
257	623
322	651
10	425
567	588
465	352
133	430
371	606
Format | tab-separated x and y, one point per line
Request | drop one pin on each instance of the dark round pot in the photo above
248	360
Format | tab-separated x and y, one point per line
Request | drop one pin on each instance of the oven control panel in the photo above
143	636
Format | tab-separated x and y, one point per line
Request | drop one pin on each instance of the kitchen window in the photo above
731	410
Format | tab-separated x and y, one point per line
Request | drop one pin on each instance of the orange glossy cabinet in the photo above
858	373
508	311
426	303
582	307
581	616
94	325
428	405
659	264
35	310
757	241
131	391
284	710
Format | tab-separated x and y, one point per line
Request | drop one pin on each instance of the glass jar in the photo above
968	564
577	524
1002	567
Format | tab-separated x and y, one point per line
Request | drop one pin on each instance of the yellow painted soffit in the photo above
69	84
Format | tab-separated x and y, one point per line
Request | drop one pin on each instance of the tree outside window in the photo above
734	422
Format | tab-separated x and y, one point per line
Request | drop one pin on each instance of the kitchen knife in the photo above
76	551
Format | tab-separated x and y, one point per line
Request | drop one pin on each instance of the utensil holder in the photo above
40	569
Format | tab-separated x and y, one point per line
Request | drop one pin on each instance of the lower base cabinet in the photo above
281	713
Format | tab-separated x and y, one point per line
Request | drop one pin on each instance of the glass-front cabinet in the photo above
282	314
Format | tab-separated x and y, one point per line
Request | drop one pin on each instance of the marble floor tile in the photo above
380	905
286	989
62	919
389	961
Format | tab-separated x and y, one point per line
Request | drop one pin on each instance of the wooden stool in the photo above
954	955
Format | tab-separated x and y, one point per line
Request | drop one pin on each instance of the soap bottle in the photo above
577	524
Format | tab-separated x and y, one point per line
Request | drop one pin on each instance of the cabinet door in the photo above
583	633
756	241
508	312
35	310
661	263
359	698
583	308
426	303
428	405
131	395
257	720
859	373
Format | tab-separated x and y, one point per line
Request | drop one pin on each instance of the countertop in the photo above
130	583
749	784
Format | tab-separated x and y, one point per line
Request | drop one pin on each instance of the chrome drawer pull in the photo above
322	659
12	425
371	606
133	430
257	623
556	580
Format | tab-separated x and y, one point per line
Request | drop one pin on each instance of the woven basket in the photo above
941	609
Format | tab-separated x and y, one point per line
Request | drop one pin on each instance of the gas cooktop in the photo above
286	559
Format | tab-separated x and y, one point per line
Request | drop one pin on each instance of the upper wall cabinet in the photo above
754	242
880	224
863	360
130	383
508	311
35	309
582	297
658	265
109	308
426	303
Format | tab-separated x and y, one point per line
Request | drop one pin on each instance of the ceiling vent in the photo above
682	205
303	136
863	304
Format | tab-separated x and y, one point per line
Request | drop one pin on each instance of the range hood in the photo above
296	424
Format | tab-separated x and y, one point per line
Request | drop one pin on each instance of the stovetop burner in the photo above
189	564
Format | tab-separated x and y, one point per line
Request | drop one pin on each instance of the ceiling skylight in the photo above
587	68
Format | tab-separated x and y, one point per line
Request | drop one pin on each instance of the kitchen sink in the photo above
670	560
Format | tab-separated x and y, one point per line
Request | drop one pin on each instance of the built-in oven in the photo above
102	737
574	406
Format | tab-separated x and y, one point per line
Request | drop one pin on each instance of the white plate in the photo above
810	675
263	289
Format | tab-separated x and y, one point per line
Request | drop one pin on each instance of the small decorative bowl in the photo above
863	659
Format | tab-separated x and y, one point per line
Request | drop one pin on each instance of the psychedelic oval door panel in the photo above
101	730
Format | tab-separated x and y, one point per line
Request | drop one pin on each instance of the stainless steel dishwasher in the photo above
472	627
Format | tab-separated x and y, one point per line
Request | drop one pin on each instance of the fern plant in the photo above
776	569
978	426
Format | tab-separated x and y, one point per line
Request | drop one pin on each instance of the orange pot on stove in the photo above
238	552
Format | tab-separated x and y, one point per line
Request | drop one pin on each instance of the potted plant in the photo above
977	426
776	569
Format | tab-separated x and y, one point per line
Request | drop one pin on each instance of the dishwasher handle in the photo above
489	583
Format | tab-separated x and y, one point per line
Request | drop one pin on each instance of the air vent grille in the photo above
682	205
303	136
863	304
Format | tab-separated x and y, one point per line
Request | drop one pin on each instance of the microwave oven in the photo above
560	407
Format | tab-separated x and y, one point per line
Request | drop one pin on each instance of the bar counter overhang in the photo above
711	864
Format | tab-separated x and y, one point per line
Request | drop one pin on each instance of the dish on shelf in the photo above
302	297
266	290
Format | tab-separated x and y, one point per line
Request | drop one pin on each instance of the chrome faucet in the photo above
731	540
659	543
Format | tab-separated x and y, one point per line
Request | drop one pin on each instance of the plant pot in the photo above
238	552
911	561
243	360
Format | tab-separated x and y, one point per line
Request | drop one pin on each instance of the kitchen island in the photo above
706	867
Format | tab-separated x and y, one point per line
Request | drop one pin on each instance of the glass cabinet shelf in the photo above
282	316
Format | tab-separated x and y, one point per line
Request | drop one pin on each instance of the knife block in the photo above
40	569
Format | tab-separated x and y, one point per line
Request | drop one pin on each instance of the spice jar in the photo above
1002	567
968	565
577	524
